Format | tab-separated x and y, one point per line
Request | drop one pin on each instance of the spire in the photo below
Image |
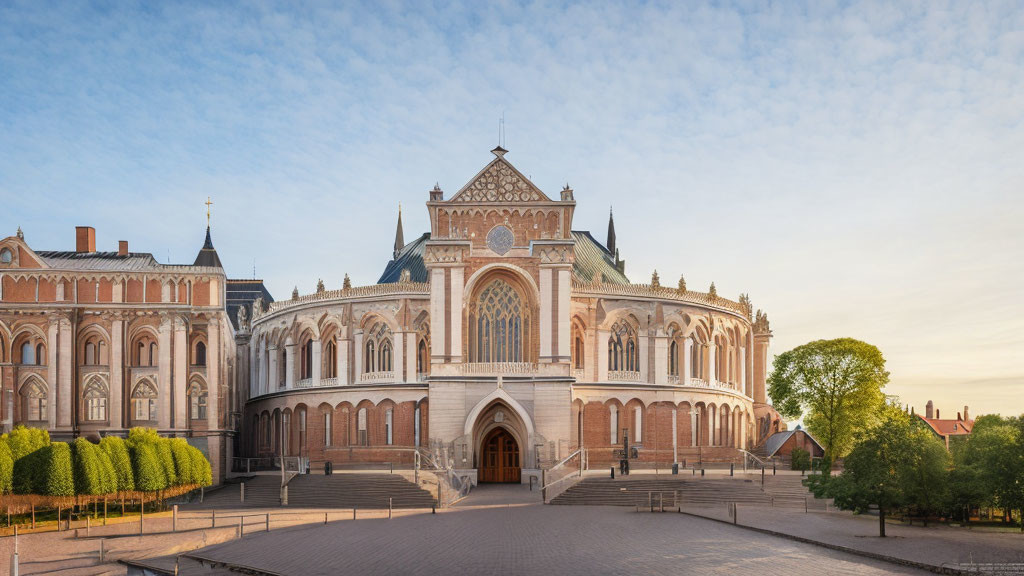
610	244
208	255
399	236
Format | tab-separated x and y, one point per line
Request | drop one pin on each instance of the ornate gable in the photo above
499	181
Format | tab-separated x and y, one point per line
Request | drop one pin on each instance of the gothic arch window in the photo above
200	357
378	345
361	434
197	401
144	398
145	351
306	368
40	354
95	396
673	358
623	353
330	369
577	347
502	324
28	353
34	397
95	351
6	256
422	359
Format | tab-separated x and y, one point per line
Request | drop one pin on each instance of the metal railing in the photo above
563	475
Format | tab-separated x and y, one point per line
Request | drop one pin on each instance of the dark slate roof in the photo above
775	441
593	261
208	255
64	260
244	292
592	258
409	257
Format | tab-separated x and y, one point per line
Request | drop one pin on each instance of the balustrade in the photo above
377	377
624	376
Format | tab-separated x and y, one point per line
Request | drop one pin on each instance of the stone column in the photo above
53	381
456	285
711	377
344	350
411	351
661	359
181	367
315	373
564	316
357	355
213	375
116	359
693	425
544	322
742	380
602	355
437	317
289	365
399	355
760	365
684	362
273	373
675	434
643	342
163	343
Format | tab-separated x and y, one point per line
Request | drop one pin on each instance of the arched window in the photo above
144	399
152	354
327	428
331	359
422	362
200	353
40	354
197	399
577	350
673	358
145	353
378	349
306	368
622	348
27	355
361	428
639	417
614	424
501	325
95	401
388	427
696	358
34	395
90	354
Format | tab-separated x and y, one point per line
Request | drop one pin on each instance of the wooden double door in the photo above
500	459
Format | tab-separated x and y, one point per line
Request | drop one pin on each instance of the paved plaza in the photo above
482	537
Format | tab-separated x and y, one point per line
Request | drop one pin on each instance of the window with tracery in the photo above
306	367
378	355
34	394
623	353
144	399
197	400
331	359
502	325
95	396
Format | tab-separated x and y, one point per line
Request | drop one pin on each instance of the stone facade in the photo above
503	317
93	343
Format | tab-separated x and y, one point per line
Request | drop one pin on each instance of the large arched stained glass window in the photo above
501	325
622	348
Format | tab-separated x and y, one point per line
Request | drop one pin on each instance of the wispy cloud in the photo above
855	167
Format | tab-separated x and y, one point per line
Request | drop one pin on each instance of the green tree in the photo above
149	473
58	478
87	468
835	385
201	467
6	467
990	466
163	452
24	441
925	475
186	473
121	461
800	459
873	471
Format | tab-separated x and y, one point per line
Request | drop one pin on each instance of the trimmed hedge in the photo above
117	451
94	473
149	474
186	474
6	467
57	470
163	452
201	467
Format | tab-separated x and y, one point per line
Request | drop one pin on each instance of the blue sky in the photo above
858	168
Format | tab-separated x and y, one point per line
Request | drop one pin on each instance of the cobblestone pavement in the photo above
480	537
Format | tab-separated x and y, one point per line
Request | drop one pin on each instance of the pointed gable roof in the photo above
208	255
499	181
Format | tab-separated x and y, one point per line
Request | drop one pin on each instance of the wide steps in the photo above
366	491
788	493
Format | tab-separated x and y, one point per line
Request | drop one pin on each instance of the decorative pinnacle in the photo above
208	204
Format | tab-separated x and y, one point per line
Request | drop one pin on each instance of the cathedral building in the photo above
501	342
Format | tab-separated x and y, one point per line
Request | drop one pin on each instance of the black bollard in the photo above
732	469
613	472
773	468
701	471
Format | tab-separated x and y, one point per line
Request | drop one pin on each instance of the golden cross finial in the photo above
208	204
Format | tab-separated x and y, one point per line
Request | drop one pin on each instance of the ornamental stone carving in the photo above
761	325
444	254
499	183
555	255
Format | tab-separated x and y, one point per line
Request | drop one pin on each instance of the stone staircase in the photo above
357	490
784	491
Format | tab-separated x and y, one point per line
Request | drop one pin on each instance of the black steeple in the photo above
399	236
208	255
610	244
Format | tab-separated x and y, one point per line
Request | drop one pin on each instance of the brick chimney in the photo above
929	410
85	239
122	248
966	417
937	412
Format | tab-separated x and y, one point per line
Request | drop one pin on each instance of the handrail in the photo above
581	453
763	463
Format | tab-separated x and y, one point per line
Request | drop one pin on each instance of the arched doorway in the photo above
500	457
